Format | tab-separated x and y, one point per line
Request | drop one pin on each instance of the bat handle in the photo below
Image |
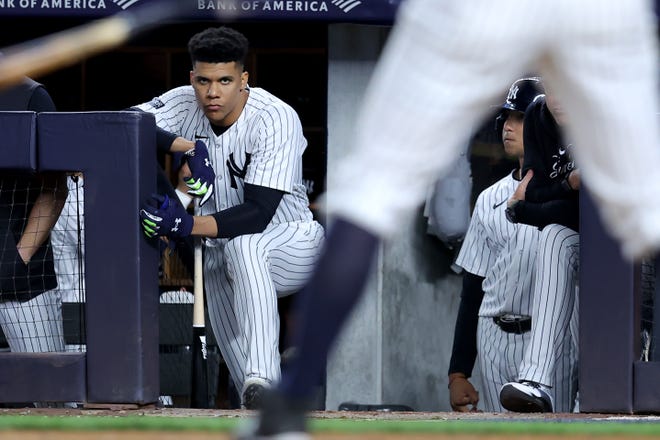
198	279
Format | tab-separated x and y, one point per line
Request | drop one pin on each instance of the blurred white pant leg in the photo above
444	64
605	72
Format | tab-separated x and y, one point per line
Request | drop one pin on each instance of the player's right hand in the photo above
462	395
202	175
162	216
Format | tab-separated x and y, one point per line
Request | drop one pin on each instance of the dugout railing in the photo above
115	151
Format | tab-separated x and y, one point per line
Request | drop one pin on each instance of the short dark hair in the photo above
218	45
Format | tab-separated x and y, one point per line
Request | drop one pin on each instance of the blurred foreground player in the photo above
600	56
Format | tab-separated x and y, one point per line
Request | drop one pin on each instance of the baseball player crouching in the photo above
548	198
261	240
499	259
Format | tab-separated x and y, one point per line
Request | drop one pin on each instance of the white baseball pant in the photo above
244	277
554	309
34	326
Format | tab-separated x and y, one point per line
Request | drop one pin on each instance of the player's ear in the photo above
192	76
244	79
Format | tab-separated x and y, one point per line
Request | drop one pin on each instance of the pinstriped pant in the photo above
555	305
244	277
34	326
500	355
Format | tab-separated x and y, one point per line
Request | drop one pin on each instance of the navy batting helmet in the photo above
521	93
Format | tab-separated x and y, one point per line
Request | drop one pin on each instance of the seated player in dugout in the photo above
498	257
548	198
30	203
261	241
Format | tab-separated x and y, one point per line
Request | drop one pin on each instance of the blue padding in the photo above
116	151
18	147
63	136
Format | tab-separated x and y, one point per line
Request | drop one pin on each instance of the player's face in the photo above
512	134
220	90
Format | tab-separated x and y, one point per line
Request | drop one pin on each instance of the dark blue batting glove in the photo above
202	175
162	216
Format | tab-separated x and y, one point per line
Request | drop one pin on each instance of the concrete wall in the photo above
396	347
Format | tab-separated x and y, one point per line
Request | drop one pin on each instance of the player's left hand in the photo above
202	174
162	216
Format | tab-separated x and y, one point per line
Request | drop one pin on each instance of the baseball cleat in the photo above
526	397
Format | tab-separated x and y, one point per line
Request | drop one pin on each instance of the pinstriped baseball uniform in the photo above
32	325
555	308
67	250
68	241
505	255
245	275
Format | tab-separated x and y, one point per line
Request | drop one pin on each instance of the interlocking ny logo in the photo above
235	171
346	5
513	94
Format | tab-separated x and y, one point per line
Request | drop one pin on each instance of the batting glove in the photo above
164	216
202	175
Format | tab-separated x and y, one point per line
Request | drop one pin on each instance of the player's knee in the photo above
560	241
555	233
240	249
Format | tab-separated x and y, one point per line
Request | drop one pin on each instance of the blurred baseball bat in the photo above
199	391
45	54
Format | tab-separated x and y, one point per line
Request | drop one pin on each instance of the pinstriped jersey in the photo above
263	147
64	239
500	251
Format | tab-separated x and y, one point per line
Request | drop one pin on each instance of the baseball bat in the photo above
61	49
199	391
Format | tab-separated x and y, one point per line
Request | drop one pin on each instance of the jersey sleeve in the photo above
475	255
170	109
276	160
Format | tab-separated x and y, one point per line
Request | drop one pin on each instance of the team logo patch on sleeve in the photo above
156	103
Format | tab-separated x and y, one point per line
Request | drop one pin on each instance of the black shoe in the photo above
253	395
279	419
526	397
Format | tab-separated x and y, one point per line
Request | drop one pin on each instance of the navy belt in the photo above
517	324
